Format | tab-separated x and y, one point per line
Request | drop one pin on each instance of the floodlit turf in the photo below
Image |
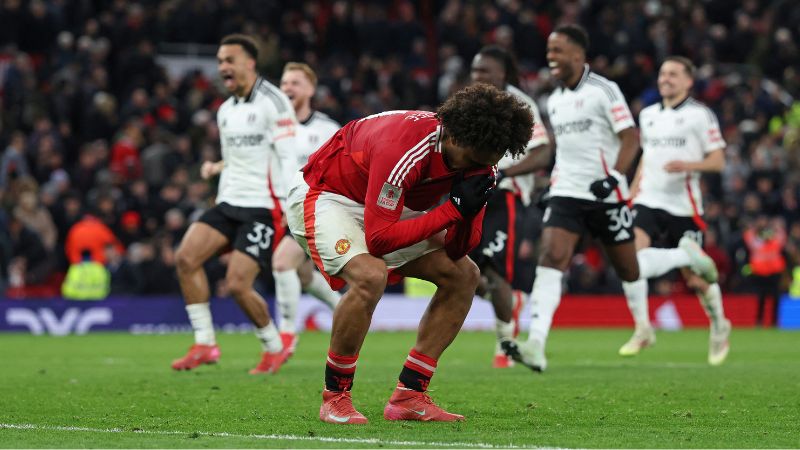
117	390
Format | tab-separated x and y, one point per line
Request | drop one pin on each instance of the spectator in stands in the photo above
6	247
30	263
765	240
13	163
130	229
93	235
36	217
86	280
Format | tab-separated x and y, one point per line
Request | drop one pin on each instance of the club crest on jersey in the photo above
389	197
342	246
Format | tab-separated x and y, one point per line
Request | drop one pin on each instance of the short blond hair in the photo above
302	67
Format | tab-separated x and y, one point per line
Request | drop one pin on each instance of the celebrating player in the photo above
292	269
680	138
595	144
496	254
256	126
369	209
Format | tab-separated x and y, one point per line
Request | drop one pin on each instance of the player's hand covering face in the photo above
469	195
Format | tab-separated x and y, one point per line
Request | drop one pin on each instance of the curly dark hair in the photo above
487	119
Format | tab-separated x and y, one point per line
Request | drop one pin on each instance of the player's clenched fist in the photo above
470	194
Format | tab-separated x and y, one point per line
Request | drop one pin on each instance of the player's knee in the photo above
280	264
237	286
471	275
370	281
461	276
554	259
184	262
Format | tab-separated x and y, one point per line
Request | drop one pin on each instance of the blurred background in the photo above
108	111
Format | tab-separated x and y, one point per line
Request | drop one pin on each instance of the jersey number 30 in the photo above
619	218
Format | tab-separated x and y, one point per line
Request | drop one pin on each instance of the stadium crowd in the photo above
101	141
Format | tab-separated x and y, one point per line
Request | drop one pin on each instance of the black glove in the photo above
501	174
469	195
603	188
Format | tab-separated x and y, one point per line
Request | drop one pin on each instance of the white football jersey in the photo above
311	134
687	132
585	122
523	184
257	136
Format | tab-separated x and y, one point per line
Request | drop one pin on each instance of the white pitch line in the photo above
271	437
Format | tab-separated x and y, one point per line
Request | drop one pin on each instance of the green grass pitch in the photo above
117	390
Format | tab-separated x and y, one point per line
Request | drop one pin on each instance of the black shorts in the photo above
249	230
664	227
612	223
503	232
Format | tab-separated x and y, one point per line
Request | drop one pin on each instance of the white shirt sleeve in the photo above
616	110
282	125
539	135
710	134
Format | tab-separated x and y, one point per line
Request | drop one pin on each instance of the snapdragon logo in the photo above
672	141
576	126
244	140
45	320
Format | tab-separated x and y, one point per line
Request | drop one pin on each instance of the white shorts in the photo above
330	228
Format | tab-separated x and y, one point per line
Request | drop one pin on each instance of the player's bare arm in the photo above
637	177
537	159
628	147
211	169
713	162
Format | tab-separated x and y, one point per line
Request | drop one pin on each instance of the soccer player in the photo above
257	125
292	269
595	144
495	255
395	194
680	138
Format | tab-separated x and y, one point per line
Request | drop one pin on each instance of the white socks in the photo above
269	337
712	303
504	331
200	318
320	289
654	262
636	295
545	297
287	297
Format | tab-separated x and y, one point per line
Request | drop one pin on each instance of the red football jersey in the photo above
385	162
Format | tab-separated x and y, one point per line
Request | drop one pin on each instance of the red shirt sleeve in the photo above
392	172
464	236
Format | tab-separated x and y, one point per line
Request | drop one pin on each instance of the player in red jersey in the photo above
402	193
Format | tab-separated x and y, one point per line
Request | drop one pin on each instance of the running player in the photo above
291	268
372	206
595	144
680	138
257	127
496	254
